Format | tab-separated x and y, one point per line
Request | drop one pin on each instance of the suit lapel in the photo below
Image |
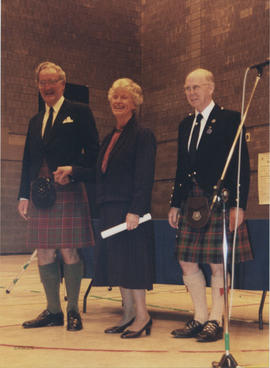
121	142
39	121
187	132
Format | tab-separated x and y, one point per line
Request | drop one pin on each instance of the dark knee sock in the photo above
73	274
50	278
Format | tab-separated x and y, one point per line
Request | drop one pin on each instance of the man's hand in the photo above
23	208
241	214
174	217
61	174
132	221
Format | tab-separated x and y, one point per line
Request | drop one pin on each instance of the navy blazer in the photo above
74	143
212	152
130	171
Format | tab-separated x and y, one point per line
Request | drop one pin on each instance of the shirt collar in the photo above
56	106
206	112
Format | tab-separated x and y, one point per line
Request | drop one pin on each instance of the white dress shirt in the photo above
56	109
205	113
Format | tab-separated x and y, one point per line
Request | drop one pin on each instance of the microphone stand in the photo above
227	360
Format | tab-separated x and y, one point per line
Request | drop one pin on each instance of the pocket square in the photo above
68	120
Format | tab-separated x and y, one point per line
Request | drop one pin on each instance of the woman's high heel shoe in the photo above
119	329
132	334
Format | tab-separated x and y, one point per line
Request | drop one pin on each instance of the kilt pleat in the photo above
67	224
205	245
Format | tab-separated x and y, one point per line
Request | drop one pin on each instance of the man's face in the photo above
50	86
198	90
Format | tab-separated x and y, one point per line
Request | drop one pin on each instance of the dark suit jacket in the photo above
130	171
211	157
74	143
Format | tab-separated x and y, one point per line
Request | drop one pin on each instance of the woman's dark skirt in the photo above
67	224
125	259
204	245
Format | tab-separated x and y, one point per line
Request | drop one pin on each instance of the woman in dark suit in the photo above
125	175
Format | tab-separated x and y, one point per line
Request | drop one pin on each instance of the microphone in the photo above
260	66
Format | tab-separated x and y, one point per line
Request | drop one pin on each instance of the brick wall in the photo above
156	43
223	36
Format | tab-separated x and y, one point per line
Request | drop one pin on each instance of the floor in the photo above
169	306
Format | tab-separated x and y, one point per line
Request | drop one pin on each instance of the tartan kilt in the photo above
204	245
67	224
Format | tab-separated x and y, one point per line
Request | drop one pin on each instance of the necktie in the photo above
194	139
48	127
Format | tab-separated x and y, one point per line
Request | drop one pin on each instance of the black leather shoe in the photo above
45	319
211	332
118	329
133	334
191	329
74	321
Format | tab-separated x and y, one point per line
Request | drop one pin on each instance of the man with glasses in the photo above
62	146
204	141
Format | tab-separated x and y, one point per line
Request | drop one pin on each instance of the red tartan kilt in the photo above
67	224
204	245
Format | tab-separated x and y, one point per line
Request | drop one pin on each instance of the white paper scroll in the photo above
121	227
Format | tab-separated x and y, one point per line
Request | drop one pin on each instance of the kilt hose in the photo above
67	224
204	245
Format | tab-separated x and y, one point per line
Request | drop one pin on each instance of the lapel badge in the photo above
213	121
209	130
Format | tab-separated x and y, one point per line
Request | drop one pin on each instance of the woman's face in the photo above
122	104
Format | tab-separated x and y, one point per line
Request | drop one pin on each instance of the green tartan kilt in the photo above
204	245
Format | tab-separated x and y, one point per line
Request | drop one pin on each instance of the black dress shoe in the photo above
74	321
133	334
45	319
118	329
191	329
211	332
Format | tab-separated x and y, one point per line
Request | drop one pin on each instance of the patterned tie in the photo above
48	127
194	139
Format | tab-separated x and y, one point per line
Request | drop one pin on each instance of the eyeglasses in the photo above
49	82
195	88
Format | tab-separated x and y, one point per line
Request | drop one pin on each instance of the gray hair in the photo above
133	88
48	64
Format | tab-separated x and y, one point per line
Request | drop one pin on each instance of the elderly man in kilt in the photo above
204	141
62	146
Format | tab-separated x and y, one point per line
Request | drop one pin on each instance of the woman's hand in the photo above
132	221
61	175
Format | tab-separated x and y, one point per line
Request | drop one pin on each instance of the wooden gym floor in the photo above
169	306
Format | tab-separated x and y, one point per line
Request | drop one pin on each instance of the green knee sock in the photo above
50	278
73	274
